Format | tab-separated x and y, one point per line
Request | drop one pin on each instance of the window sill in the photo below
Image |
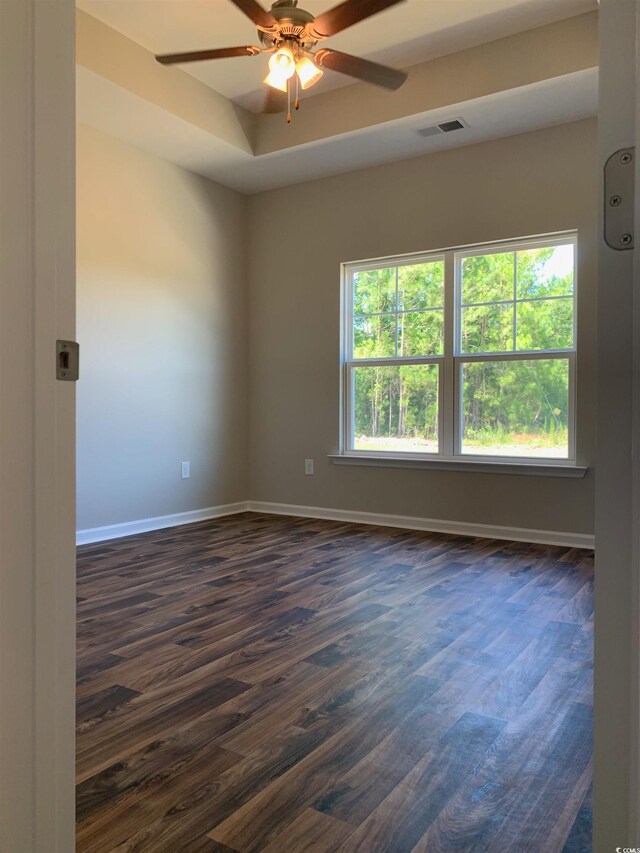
477	466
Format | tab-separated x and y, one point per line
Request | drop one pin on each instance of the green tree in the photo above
511	302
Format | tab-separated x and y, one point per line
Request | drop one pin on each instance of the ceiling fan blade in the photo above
363	69
261	18
216	53
346	15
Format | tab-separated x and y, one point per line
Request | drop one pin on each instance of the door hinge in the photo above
619	183
67	360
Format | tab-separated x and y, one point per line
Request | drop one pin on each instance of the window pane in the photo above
396	408
374	337
487	278
487	328
420	333
545	324
421	286
374	291
545	272
516	408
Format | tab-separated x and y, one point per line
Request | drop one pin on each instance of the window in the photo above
465	353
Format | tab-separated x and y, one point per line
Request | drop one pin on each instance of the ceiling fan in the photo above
291	35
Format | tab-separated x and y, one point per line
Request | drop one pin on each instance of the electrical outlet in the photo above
186	470
308	466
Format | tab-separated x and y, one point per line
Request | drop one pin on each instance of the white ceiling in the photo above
409	33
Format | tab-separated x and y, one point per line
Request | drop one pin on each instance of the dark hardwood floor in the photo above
258	683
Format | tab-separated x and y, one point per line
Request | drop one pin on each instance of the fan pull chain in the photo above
289	101
297	101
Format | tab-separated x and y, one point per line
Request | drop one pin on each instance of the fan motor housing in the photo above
292	24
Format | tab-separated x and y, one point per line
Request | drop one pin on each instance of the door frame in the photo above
617	510
37	426
634	804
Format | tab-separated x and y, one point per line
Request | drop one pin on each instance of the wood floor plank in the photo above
256	823
102	702
517	788
310	831
361	789
398	823
580	836
130	728
126	798
220	796
292	685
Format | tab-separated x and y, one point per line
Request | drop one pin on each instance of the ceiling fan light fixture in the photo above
276	80
282	66
283	63
308	72
291	35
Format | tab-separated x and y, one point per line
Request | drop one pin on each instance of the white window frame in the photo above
451	362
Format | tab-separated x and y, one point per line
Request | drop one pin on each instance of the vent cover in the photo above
448	126
442	127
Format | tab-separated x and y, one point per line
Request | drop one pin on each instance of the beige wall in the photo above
530	184
161	325
166	326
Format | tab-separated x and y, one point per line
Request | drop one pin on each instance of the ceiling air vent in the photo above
448	126
443	127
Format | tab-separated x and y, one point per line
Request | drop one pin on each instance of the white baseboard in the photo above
143	525
432	525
